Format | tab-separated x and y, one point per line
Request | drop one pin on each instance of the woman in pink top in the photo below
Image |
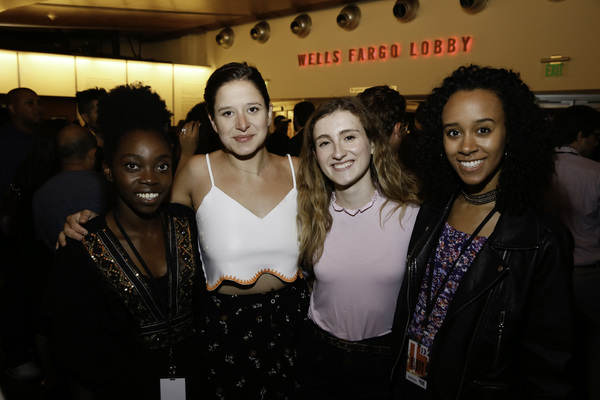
356	211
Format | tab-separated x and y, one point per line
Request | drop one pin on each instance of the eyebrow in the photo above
247	104
476	121
137	156
343	131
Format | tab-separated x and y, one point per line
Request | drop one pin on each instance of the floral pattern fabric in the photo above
251	343
423	329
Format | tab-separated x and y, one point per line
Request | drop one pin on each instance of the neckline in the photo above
567	150
453	229
246	209
352	213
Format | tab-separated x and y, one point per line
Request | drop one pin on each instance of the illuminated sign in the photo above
554	69
436	47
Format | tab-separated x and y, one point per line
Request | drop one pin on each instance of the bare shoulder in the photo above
192	182
197	161
283	164
296	162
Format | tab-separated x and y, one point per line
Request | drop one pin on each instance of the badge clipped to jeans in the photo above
417	363
172	389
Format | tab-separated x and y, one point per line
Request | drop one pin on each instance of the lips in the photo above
342	166
471	164
147	196
244	138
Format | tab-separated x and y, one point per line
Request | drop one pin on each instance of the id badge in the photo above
417	363
172	389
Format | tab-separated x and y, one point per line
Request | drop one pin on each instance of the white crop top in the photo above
238	246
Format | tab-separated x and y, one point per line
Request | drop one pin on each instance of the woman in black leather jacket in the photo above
485	310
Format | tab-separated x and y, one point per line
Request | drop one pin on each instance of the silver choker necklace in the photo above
479	199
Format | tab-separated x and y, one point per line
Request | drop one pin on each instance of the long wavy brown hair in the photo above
394	183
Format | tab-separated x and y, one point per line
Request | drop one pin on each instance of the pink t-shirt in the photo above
361	270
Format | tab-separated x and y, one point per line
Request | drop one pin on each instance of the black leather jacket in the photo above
508	330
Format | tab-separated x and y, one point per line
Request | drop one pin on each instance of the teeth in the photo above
471	164
148	196
342	166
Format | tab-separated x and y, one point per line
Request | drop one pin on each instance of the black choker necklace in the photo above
479	199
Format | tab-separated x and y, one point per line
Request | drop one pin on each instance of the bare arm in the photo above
188	141
181	191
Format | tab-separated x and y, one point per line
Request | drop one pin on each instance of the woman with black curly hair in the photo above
485	312
121	299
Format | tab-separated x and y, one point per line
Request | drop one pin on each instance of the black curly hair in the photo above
84	99
127	108
529	161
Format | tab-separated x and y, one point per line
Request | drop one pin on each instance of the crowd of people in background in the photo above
352	251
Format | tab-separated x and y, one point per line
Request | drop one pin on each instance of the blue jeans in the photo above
326	371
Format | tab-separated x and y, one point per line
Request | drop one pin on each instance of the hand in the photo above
188	139
73	229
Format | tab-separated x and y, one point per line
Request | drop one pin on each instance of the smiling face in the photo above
141	172
241	117
475	138
343	150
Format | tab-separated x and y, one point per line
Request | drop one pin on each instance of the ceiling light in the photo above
225	38
473	6
406	10
349	17
260	32
301	25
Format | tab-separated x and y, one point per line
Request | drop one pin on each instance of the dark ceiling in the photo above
80	26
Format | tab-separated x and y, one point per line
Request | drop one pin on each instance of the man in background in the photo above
18	290
16	136
76	187
278	141
87	105
574	198
302	112
389	106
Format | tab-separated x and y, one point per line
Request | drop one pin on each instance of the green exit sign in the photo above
554	69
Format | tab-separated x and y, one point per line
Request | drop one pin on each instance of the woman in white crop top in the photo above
244	199
245	203
356	211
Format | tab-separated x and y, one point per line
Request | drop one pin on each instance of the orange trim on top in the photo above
252	280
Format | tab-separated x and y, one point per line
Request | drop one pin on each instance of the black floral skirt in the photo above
251	343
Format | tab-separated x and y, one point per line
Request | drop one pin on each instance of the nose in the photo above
242	123
338	151
148	176
468	144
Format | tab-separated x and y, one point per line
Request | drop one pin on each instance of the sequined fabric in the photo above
156	328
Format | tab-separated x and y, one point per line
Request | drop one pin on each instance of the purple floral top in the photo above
448	250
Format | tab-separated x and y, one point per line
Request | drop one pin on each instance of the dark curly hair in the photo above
84	99
127	108
529	161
